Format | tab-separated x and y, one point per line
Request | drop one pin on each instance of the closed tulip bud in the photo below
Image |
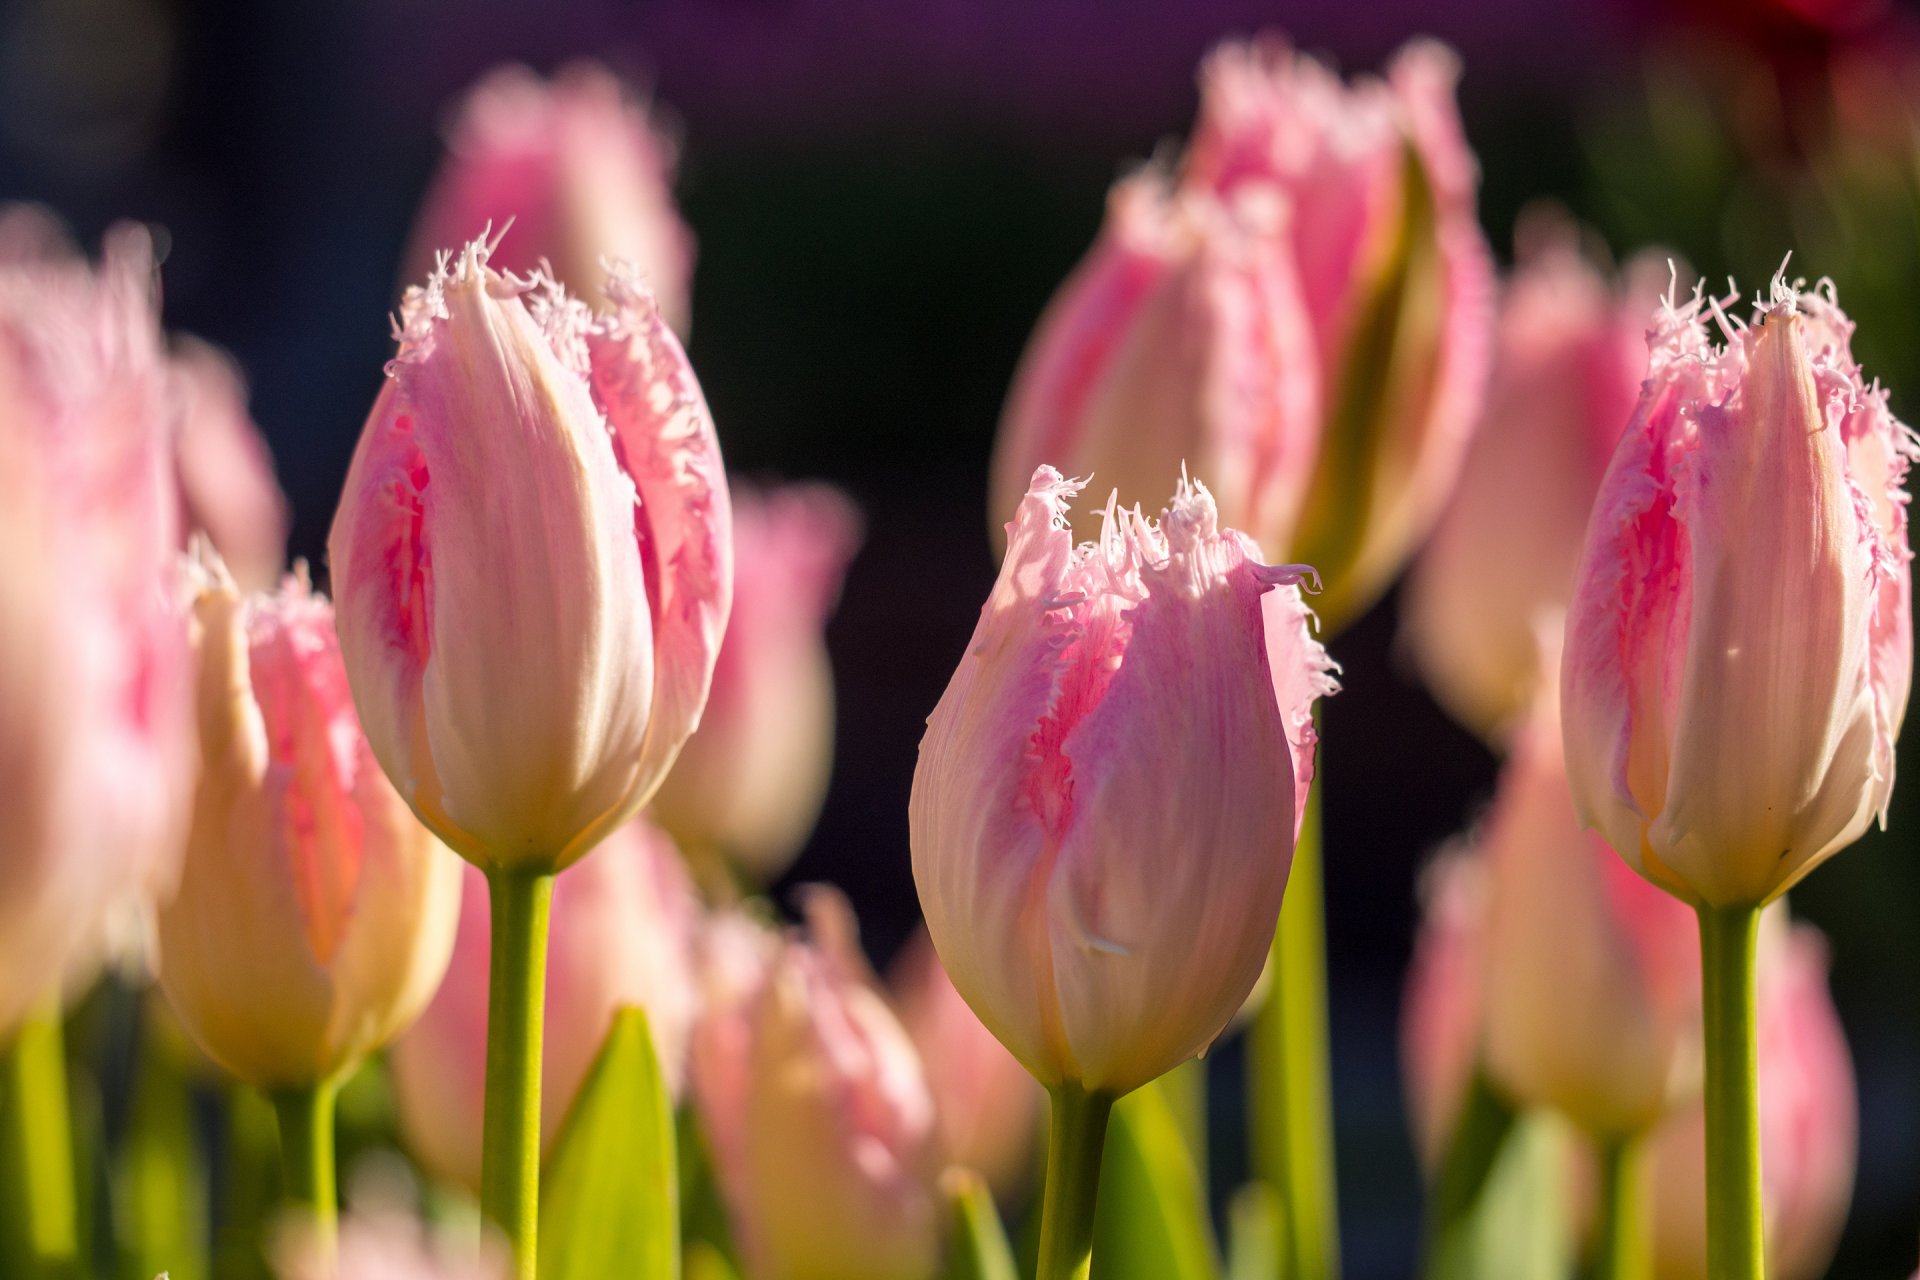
1570	354
96	727
622	934
1300	310
532	560
315	914
1740	643
1809	1128
987	1104
1569	927
1115	715
751	780
582	171
816	1110
227	485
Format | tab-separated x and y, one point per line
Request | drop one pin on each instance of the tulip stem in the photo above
1290	1073
1622	1247
39	1221
305	1113
516	1008
1076	1141
1735	1249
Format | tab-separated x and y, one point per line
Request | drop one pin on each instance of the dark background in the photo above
885	194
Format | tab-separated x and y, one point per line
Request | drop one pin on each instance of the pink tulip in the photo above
582	171
96	742
622	934
533	562
227	485
382	1245
1115	715
1740	643
1809	1128
1570	354
315	914
815	1108
1591	975
987	1104
1224	317
751	780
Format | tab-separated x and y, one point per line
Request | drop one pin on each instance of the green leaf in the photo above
1151	1223
611	1205
1255	1221
705	1262
1499	1210
977	1247
159	1182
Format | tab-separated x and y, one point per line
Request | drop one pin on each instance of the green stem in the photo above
1623	1245
516	1006
1291	1071
1076	1141
39	1226
1473	1147
305	1113
1735	1249
1185	1090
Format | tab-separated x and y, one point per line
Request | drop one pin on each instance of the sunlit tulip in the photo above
816	1111
1570	927
1115	716
622	933
227	484
315	914
383	1245
751	780
1298	310
96	743
1570	354
532	561
1740	643
1809	1129
988	1106
583	171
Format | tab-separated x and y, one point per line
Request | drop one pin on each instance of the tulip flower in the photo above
1809	1129
1122	708
623	934
227	486
315	914
526	450
1570	926
1299	310
1570	351
96	743
986	1103
383	1244
1738	656
815	1108
751	779
533	565
582	171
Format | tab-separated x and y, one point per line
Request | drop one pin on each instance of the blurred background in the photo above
885	193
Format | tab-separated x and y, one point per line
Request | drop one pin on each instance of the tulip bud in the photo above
96	741
1116	715
533	562
1809	1128
1299	311
988	1106
1740	643
621	934
751	779
1570	927
227	486
584	174
1570	353
816	1110
315	914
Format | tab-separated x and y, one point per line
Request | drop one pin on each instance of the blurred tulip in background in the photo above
227	485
